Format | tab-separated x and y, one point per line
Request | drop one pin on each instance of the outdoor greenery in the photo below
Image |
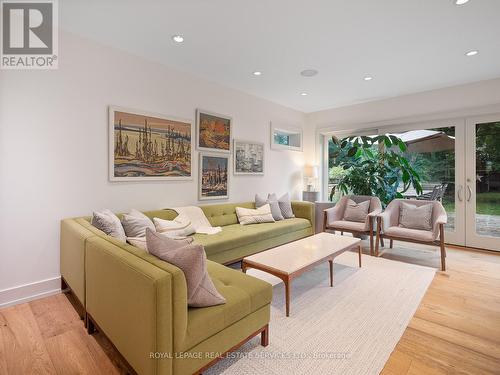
371	166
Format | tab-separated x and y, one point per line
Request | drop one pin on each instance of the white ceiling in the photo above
406	45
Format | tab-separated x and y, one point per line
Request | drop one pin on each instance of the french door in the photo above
482	182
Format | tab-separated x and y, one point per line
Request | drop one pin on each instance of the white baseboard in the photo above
29	292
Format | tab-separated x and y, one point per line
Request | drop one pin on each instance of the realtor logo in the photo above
29	34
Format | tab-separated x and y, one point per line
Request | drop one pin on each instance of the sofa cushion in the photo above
244	294
224	214
233	236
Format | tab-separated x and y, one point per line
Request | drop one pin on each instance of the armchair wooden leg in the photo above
341	232
382	242
377	239
390	244
370	220
443	250
325	216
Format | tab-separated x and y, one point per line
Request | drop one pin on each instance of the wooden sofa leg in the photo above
264	336
64	286
90	324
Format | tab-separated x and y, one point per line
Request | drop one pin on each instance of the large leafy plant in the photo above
373	166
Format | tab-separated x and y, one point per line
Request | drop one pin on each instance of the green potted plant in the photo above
373	166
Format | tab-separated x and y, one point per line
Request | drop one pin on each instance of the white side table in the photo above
310	196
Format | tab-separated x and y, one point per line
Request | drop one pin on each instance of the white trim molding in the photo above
30	292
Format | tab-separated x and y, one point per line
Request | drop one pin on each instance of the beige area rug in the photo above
351	328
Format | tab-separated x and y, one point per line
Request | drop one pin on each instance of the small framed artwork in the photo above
147	146
213	177
286	138
213	131
248	158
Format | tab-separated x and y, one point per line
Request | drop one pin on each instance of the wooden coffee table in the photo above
293	259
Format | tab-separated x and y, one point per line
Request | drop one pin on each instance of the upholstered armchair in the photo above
389	226
334	219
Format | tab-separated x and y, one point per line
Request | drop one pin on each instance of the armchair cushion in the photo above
411	234
356	211
349	225
413	217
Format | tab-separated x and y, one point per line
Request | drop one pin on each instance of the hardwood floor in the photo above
456	328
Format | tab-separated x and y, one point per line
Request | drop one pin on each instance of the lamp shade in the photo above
311	171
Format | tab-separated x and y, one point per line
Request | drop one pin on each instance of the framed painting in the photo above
213	177
213	131
248	158
149	146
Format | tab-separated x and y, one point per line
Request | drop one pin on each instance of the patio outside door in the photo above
482	182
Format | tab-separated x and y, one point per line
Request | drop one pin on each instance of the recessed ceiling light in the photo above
309	72
303	93
461	2
178	38
472	53
257	73
368	78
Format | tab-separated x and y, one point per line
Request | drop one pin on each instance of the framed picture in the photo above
248	158
214	176
213	131
149	146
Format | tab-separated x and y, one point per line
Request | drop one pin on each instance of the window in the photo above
286	138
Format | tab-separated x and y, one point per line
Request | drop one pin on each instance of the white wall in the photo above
438	103
53	149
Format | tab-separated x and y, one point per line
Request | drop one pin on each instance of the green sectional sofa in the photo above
140	302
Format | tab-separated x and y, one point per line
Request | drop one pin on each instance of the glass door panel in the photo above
483	183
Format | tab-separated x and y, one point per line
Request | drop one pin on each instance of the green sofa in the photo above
140	302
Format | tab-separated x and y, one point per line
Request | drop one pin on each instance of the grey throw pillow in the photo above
135	224
192	260
413	217
285	205
109	223
141	242
273	202
356	211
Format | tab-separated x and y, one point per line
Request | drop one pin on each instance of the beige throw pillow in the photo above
356	211
413	217
135	224
192	260
141	242
109	223
260	215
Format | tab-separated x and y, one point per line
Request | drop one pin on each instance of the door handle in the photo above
459	193
469	191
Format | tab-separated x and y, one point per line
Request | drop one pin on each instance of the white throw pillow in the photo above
135	224
413	217
356	211
250	216
173	227
141	242
109	223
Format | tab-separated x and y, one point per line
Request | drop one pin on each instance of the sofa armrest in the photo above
134	303
304	210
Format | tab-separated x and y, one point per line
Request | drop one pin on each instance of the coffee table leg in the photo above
359	253
286	280
331	271
243	267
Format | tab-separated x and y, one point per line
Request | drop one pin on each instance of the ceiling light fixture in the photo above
178	38
257	73
309	72
368	78
303	93
472	53
461	2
